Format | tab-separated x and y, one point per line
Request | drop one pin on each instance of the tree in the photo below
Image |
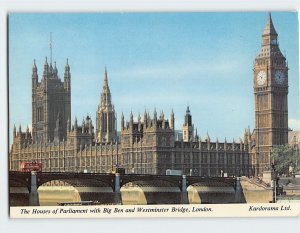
286	158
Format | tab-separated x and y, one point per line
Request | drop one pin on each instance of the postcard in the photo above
153	114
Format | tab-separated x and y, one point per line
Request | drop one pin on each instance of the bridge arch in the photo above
140	191
83	189
211	192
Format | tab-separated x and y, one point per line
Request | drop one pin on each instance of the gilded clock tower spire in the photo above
270	92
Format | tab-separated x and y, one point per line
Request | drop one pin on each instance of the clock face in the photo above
279	77
261	78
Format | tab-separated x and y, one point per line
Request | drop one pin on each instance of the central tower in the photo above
106	129
270	76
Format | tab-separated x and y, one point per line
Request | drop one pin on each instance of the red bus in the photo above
30	166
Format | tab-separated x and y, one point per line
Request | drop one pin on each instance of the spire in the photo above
139	122
55	68
67	67
131	119
34	65
34	74
122	121
46	67
75	125
269	29
15	131
83	125
67	76
188	117
207	138
162	115
172	122
188	110
154	118
105	76
105	94
46	62
196	136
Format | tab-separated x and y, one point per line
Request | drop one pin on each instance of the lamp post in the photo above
274	182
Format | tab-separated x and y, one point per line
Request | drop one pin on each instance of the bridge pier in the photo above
33	195
239	196
117	197
184	193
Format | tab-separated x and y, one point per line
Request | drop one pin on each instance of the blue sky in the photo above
154	60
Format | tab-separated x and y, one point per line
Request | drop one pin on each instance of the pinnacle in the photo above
269	29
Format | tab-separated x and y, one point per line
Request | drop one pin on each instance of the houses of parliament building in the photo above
151	145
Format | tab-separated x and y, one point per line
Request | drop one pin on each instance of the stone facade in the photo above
150	145
51	104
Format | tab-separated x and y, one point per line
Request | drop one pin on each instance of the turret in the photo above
15	131
139	122
241	144
83	125
131	120
196	136
67	77
172	121
27	132
200	142
55	72
188	127
51	68
46	69
207	139
155	118
145	119
122	121
163	123
34	75
75	125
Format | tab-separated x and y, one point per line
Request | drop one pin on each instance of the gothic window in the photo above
195	157
238	159
213	158
186	158
204	158
177	158
221	158
40	114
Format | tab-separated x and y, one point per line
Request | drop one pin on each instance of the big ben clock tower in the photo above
270	76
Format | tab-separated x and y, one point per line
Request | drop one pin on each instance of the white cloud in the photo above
294	124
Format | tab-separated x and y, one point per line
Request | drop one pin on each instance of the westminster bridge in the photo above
157	189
